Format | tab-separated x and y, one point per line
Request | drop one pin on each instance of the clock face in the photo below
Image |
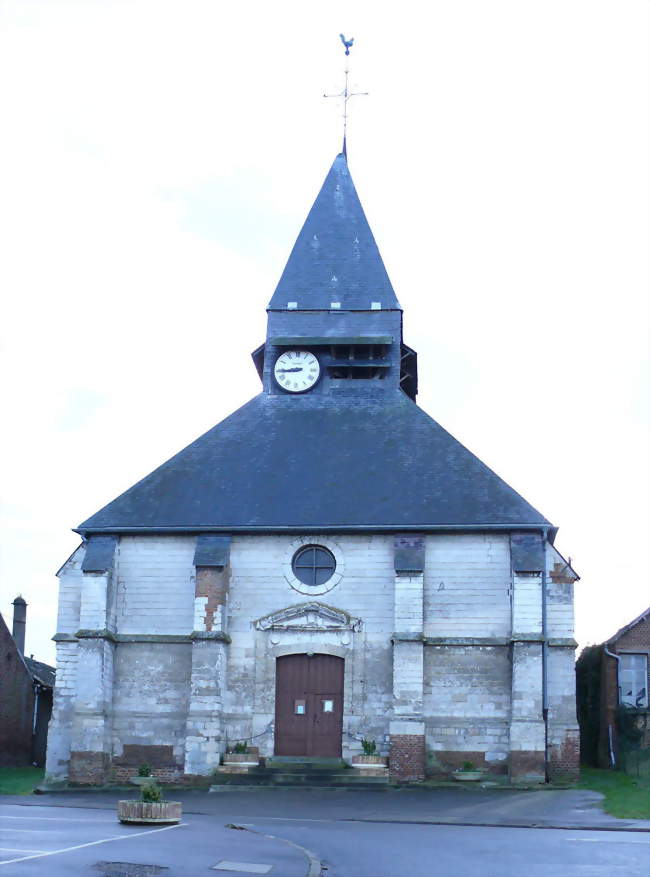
296	370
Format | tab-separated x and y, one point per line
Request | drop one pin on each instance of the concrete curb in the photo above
315	865
505	824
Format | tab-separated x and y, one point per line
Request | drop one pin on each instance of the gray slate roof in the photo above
284	463
335	258
43	673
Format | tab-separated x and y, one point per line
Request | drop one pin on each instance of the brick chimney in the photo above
20	622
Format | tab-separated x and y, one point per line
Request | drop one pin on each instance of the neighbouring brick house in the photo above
612	678
26	689
326	564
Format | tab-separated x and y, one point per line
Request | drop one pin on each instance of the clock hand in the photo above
285	370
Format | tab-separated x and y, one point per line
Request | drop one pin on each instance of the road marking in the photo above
26	830
12	850
55	818
242	867
92	843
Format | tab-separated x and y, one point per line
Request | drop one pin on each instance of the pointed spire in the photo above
335	258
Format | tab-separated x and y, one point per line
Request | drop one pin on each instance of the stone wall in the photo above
261	583
467	585
467	707
150	701
456	651
155	584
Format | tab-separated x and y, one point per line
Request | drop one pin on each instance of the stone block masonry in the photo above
173	655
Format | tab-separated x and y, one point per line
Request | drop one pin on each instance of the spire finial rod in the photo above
346	94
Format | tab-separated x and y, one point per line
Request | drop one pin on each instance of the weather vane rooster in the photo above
347	43
346	94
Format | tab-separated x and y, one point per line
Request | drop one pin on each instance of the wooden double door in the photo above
309	705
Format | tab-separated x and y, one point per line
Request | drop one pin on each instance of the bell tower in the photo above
334	321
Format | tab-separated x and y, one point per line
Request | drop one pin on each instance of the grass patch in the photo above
625	796
19	780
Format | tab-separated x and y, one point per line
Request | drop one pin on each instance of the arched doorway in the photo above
309	705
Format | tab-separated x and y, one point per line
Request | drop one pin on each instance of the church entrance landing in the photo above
309	705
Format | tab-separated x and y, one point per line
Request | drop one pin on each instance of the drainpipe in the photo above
610	732
544	655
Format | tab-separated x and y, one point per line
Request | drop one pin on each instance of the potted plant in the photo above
144	775
239	758
468	773
371	760
150	809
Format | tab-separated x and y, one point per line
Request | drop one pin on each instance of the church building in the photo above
327	564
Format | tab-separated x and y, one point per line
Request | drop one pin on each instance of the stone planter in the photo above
164	812
235	762
250	759
371	765
369	761
468	776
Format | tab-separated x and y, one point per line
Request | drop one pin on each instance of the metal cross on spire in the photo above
346	94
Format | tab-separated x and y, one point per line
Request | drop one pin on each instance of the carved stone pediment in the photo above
308	616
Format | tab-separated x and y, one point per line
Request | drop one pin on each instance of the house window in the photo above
633	680
313	565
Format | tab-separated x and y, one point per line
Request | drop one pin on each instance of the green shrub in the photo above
467	767
144	770
369	747
151	794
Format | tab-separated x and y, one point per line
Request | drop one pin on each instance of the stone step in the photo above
287	763
240	787
262	777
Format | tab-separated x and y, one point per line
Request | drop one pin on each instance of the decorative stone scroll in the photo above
308	616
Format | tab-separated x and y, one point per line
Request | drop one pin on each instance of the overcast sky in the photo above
157	160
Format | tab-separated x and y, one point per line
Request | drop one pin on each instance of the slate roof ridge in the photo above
335	257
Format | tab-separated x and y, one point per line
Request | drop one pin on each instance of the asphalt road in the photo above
411	833
66	841
376	850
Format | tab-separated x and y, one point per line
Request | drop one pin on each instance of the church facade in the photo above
325	565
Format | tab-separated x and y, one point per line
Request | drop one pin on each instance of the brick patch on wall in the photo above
526	763
212	584
171	773
564	760
406	761
88	768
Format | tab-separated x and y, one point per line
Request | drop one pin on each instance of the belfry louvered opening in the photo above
355	361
